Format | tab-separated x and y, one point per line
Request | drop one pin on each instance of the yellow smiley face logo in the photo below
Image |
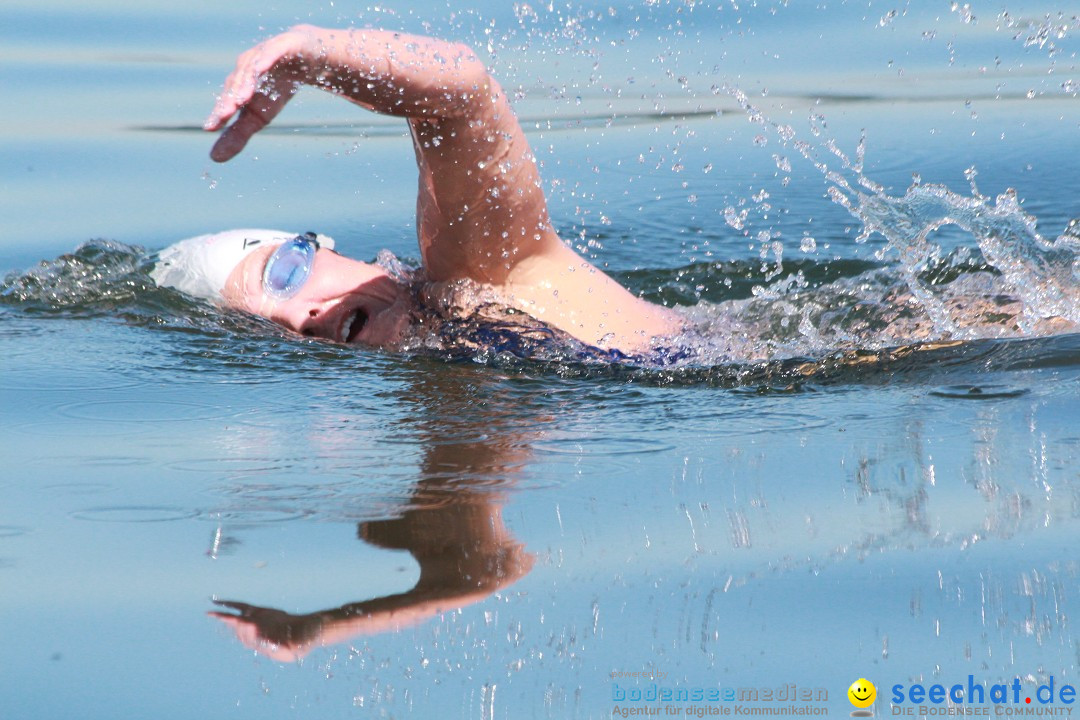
862	693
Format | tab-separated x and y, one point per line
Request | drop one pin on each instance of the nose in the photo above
306	316
313	315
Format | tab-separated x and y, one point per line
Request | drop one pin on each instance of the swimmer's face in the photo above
343	300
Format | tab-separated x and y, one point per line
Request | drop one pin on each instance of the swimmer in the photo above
482	221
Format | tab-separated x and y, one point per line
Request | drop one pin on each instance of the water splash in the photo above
1011	281
1040	274
97	277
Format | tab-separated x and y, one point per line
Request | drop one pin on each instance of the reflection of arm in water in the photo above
465	554
452	526
481	212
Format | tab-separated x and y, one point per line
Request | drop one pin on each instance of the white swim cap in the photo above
199	266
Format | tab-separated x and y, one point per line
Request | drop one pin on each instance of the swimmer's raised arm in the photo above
481	212
388	72
480	209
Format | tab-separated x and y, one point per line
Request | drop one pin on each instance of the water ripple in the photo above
240	466
113	428
288	492
80	488
979	392
252	516
141	411
134	514
601	446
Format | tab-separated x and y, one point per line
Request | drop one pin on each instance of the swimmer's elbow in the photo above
471	75
444	78
467	59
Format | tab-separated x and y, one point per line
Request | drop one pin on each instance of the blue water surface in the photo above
910	520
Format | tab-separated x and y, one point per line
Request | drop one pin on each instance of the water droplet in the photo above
736	220
887	18
964	11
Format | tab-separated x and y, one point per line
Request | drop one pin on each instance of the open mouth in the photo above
354	326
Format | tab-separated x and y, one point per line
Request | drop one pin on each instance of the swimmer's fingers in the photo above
253	117
273	61
264	80
243	609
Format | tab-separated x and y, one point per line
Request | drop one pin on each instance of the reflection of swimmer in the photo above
485	237
452	526
465	554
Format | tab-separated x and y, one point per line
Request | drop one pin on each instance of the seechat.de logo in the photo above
1003	695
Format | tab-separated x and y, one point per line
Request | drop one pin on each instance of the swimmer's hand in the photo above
387	72
264	80
273	633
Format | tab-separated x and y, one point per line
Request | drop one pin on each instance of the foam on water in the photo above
1003	280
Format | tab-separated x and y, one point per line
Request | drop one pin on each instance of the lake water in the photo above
397	535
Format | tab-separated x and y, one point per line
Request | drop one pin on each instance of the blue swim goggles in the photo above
289	267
